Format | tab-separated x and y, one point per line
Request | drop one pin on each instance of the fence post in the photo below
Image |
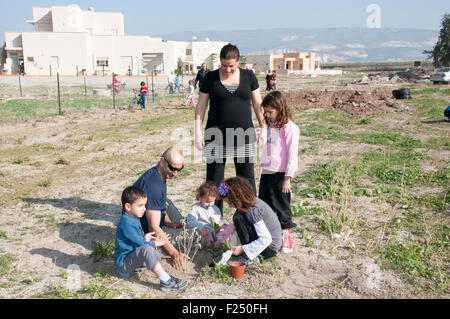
20	86
85	89
114	93
50	71
59	93
153	89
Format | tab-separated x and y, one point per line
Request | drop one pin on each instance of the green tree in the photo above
441	51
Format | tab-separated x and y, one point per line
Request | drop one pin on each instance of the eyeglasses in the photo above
173	169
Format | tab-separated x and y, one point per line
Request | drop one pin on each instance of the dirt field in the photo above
371	199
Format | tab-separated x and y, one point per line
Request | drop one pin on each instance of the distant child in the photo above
205	214
191	93
279	162
133	248
143	95
116	84
256	224
177	82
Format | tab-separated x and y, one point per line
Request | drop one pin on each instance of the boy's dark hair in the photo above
142	83
277	101
230	51
207	189
131	194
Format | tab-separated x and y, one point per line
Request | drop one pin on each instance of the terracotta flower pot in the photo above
237	269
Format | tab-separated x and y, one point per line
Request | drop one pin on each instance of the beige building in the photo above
72	41
289	62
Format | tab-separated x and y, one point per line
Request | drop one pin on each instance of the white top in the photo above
200	217
256	247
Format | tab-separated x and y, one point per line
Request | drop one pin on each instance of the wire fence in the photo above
23	97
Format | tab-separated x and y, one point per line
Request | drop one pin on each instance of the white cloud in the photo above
400	44
289	38
354	54
323	46
431	41
355	46
333	58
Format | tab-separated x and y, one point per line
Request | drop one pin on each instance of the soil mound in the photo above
349	101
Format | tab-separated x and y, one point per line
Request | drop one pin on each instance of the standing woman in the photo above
229	132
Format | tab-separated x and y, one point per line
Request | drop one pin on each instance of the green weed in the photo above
103	250
5	263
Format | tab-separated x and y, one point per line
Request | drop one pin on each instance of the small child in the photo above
133	248
256	224
279	162
191	93
205	214
143	95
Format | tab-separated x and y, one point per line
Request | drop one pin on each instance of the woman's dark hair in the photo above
230	51
207	189
240	193
276	100
131	194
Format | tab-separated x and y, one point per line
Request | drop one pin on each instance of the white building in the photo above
68	40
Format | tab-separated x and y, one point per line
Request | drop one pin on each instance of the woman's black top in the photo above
231	115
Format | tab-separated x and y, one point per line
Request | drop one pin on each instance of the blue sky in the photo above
159	17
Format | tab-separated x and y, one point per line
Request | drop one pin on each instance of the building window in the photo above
188	51
30	59
102	62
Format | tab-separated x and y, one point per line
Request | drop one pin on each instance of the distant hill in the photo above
333	44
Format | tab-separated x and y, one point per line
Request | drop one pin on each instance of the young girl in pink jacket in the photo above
279	162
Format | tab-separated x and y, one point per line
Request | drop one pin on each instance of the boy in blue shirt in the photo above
133	248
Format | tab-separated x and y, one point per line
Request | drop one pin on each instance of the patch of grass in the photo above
3	235
219	274
396	175
93	291
410	258
62	161
5	263
21	160
302	209
394	158
46	182
103	250
321	175
316	130
430	91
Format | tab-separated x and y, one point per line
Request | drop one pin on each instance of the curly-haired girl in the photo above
257	225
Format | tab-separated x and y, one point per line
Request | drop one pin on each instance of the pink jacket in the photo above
280	154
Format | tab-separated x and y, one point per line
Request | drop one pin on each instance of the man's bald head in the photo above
174	155
171	162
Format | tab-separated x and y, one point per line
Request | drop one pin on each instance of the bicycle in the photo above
180	88
135	101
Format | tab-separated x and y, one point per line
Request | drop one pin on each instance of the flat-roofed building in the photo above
72	41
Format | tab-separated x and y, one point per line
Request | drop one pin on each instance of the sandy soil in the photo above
56	226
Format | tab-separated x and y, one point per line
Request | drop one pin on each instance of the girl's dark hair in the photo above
142	83
240	193
277	101
230	51
131	194
207	189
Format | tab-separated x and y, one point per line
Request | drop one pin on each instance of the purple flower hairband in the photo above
223	189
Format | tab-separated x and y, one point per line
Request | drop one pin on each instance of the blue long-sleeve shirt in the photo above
129	236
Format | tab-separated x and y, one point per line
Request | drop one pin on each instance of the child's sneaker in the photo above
286	241
123	274
172	284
